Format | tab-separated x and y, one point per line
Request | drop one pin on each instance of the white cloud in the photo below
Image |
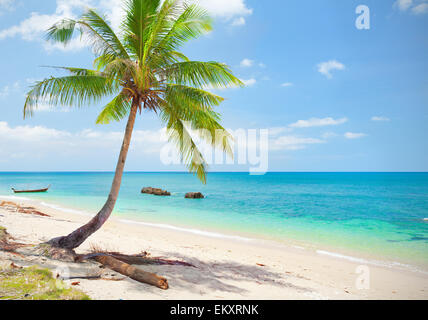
30	134
352	135
246	63
287	84
325	68
415	8
34	27
79	149
275	131
44	135
292	143
9	89
380	118
237	22
403	5
328	135
420	8
7	5
53	143
317	122
250	82
225	8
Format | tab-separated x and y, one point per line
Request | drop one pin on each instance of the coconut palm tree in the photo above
142	68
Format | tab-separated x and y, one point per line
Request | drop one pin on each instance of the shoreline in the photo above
309	247
226	269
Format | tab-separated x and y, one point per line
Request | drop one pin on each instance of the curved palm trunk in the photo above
76	238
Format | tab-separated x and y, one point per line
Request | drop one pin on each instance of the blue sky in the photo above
336	98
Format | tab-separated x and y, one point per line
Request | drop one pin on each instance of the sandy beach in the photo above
224	268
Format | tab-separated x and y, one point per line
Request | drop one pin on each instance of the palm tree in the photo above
141	67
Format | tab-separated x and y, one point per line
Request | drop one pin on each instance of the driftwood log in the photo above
132	272
137	259
140	260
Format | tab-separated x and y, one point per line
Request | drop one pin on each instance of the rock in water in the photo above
155	191
194	195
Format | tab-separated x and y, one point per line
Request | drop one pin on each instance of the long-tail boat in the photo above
31	191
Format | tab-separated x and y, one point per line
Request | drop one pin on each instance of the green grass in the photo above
34	283
2	232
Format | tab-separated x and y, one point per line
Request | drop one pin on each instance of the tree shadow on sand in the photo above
217	276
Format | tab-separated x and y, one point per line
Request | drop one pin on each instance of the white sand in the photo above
225	269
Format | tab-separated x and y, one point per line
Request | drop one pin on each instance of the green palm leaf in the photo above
72	90
202	74
140	15
180	136
116	110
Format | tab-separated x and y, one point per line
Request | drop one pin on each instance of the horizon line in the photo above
185	172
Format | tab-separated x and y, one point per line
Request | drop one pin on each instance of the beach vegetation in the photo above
34	283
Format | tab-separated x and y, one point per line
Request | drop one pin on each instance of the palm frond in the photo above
192	97
77	71
94	30
180	136
62	31
194	107
160	26
202	74
115	110
100	26
190	24
68	91
136	26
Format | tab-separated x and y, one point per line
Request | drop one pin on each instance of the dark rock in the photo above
194	195
155	191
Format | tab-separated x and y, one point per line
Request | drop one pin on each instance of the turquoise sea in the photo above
378	216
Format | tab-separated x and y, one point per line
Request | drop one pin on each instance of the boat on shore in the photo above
31	191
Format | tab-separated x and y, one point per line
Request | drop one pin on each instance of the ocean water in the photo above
378	216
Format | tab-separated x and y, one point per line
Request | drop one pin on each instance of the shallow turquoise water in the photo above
376	214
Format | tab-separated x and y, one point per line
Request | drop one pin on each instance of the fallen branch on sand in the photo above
122	264
133	272
13	207
107	261
137	259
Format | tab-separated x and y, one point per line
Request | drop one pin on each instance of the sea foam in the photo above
396	265
68	210
13	198
187	230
